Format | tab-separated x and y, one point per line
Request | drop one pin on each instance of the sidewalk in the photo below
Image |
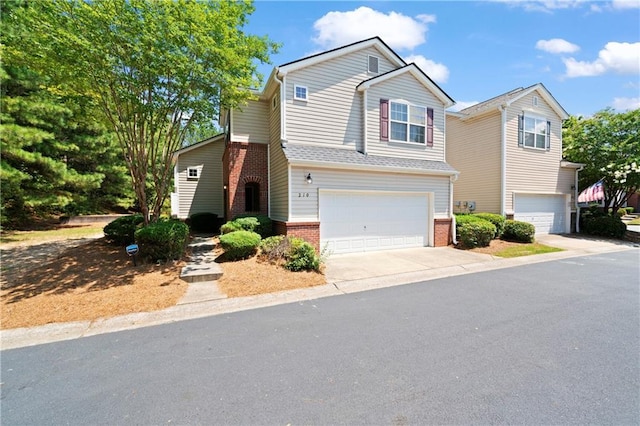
349	273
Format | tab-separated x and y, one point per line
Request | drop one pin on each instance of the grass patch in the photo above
634	222
61	232
526	250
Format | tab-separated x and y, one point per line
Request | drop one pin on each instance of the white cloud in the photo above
437	72
621	58
399	31
624	104
460	105
557	45
547	6
625	4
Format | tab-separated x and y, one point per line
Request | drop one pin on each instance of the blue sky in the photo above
586	53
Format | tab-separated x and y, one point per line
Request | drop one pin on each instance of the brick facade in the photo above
242	164
309	231
442	232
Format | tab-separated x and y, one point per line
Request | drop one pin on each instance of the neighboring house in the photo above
508	150
345	148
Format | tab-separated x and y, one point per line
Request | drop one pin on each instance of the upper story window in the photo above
193	173
300	93
373	64
401	122
534	132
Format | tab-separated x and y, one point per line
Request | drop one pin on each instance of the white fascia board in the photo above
571	165
557	108
197	145
335	53
363	167
415	72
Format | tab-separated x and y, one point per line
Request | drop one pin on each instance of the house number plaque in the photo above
303	194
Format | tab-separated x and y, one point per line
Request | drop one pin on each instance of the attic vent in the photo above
373	64
535	101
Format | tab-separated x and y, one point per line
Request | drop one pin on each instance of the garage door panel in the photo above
356	221
546	212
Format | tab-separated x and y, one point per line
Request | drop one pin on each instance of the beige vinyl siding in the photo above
204	194
533	170
304	202
404	89
278	168
251	123
474	149
333	112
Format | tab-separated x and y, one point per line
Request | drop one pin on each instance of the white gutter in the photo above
269	180
283	105
454	236
503	158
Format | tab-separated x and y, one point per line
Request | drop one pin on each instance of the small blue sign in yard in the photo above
132	250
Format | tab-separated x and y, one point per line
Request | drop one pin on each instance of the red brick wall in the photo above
309	231
244	163
442	232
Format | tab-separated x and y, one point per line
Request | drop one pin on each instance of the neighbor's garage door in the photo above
368	221
546	212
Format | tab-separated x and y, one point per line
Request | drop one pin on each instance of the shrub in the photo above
122	230
521	232
497	220
461	219
476	233
163	240
630	209
203	222
230	227
239	244
296	253
264	225
604	226
301	256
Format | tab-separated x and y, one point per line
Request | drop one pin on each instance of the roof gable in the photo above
418	74
216	138
508	98
340	51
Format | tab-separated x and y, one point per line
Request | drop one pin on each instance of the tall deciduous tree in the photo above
608	143
156	67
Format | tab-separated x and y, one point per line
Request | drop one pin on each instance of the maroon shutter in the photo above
429	126
384	119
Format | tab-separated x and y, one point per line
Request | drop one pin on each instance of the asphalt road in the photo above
548	343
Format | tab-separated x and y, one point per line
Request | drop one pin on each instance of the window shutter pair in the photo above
384	122
521	133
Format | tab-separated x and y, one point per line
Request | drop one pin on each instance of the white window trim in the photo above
197	170
408	123
369	63
524	132
295	92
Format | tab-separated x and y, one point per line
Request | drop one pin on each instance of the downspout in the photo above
269	180
503	158
283	107
454	236
364	122
575	199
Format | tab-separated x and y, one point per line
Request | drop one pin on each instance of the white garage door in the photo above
546	212
368	221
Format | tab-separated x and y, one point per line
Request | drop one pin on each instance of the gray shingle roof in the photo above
305	153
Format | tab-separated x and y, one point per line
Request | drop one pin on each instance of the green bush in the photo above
122	230
272	247
163	240
203	222
521	232
463	218
239	244
301	256
475	233
497	220
230	227
630	210
604	226
264	225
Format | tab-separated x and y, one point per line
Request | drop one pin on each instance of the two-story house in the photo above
345	148
508	150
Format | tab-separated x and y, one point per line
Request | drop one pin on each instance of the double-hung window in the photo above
407	123
534	132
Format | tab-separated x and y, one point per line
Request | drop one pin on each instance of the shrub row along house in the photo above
347	149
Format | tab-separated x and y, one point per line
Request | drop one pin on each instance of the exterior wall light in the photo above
309	179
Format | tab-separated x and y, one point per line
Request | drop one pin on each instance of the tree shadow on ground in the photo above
90	267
